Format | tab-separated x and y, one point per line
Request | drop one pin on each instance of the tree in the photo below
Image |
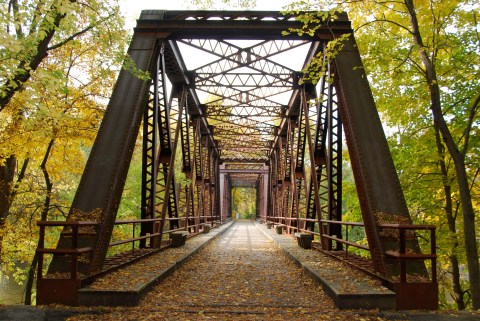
52	116
31	32
457	153
423	56
243	201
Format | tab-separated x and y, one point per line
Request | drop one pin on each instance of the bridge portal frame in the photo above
310	128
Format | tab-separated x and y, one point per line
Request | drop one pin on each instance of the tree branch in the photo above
478	34
81	32
471	117
44	216
474	178
72	37
36	17
31	62
16	18
20	177
385	20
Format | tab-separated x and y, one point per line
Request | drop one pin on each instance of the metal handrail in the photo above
401	255
74	251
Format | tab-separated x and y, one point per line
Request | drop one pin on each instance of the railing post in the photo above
74	258
433	250
41	246
346	239
133	236
330	242
403	263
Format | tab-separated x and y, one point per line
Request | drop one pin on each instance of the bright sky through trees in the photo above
132	8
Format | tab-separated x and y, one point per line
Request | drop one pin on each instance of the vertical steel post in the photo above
334	164
169	180
314	206
149	155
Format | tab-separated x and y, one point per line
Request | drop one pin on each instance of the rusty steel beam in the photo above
299	168
185	199
241	25
376	180
334	165
149	159
167	201
102	182
198	174
313	201
158	145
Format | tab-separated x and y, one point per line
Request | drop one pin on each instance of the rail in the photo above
74	251
345	241
403	254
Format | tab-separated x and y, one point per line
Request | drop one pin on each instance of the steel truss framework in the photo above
240	116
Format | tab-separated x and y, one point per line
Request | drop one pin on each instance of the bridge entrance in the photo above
228	99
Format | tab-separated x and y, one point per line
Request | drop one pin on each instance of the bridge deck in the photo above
243	273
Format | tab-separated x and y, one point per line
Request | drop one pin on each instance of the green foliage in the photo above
317	67
244	202
62	100
351	207
403	95
129	65
312	19
398	79
131	198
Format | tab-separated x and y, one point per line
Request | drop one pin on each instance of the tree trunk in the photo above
7	173
44	216
31	279
457	289
451	219
28	65
457	157
8	190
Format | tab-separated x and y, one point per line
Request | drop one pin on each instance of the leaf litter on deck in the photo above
241	280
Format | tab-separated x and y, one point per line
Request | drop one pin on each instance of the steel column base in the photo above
416	296
58	291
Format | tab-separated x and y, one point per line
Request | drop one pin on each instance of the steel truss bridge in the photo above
227	101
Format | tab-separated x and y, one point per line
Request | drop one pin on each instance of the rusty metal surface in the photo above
231	25
59	291
377	182
414	296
